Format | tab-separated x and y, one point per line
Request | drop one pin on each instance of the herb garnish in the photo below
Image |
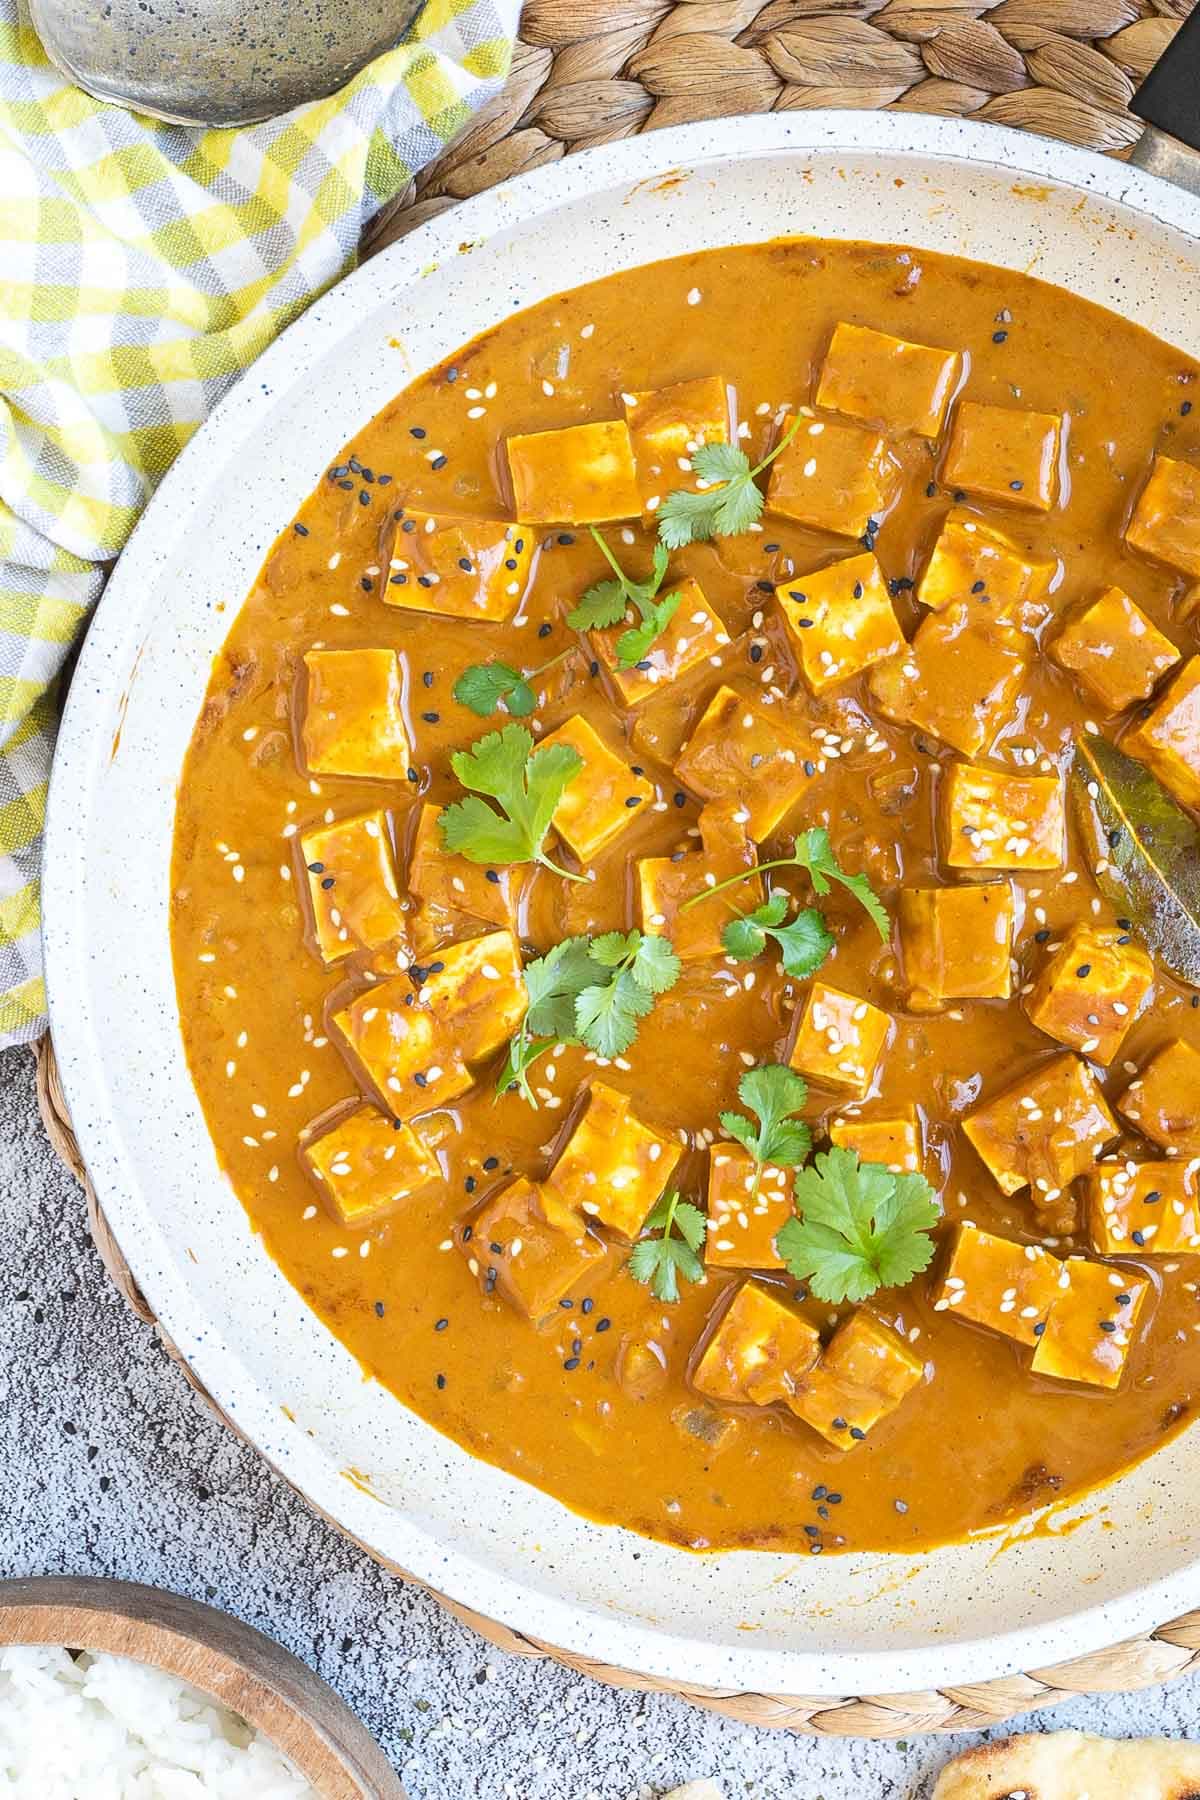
860	1227
526	783
608	601
484	685
589	991
730	502
661	1260
772	1093
813	853
803	945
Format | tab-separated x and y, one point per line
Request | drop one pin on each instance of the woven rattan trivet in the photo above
589	71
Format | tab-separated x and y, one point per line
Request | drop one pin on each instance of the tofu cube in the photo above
1005	453
866	1370
959	678
885	381
1168	742
579	475
1044	1130
612	1167
839	621
602	799
665	882
759	1350
835	478
893	1140
839	1040
740	751
458	568
994	1281
527	1246
1091	1325
973	562
1115	650
352	885
1166	520
742	1223
476	993
1163	1102
667	426
353	723
1091	990
451	886
989	819
1144	1209
395	1042
694	634
367	1166
956	943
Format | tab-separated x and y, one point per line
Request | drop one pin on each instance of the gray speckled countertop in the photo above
113	1466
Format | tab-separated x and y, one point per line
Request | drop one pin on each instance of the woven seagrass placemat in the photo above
590	71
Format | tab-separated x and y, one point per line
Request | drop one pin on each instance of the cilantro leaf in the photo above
484	685
608	603
589	991
660	1260
634	645
730	501
773	1093
860	1227
606	1014
527	783
813	852
803	945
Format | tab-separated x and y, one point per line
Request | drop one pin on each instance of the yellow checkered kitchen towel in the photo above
143	267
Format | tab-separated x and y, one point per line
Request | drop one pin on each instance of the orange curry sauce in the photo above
594	1403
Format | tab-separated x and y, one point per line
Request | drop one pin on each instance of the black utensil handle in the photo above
1169	98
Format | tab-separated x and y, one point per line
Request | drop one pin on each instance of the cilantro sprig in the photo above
773	1093
803	945
660	1257
527	785
729	502
589	991
860	1227
483	686
608	602
813	853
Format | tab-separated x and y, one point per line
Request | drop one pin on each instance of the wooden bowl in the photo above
230	1662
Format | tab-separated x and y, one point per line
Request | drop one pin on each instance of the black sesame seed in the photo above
412	775
438	462
679	799
1108	1324
441	1381
593	669
1016	486
417	431
425	581
492	876
804	624
431	718
367	474
634	800
346	485
470	1185
1083	971
978	587
1039	1328
1151	1199
839	1424
1124	1299
999	337
1138	1238
464	563
566	1305
819	1493
857	1434
510	562
810	768
1186	408
756	653
585	1306
603	1324
566	537
813	1530
468	1233
398	580
545	630
1125	938
572	1362
427	678
1041	937
834	1499
327	881
1125	924
316	868
409	525
764	587
365	583
643	665
451	374
299	529
441	1324
421	1080
364	499
931	490
384	480
858	590
637	769
379	1309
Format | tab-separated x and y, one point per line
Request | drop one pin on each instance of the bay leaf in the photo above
1145	849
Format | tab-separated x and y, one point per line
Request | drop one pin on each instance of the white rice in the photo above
104	1728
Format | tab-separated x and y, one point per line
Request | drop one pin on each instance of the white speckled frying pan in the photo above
784	1624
